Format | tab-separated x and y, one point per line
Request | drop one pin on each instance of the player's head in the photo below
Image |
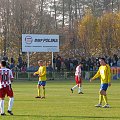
80	64
40	62
102	61
3	63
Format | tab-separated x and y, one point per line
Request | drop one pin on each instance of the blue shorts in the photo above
41	83
104	86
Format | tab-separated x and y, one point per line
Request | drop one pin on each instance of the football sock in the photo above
10	104
2	106
75	87
44	92
100	98
38	91
79	89
105	99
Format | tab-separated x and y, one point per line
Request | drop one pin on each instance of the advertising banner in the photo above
40	43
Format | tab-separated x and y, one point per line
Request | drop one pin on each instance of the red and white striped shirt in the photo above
5	77
78	71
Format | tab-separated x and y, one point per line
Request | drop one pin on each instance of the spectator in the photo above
58	64
54	62
50	71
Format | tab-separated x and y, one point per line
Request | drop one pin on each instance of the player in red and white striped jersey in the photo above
78	79
6	77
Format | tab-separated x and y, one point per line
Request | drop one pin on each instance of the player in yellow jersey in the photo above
42	79
105	76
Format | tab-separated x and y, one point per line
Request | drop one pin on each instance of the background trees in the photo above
86	27
100	35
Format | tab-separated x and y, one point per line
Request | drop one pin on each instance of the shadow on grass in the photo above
34	100
80	117
28	100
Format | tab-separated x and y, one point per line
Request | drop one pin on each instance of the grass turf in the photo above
61	104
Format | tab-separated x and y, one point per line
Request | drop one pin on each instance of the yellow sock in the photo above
38	91
100	98
44	92
105	99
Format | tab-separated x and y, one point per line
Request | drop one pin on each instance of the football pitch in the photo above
60	103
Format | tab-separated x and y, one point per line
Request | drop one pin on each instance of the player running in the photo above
6	77
105	76
78	79
42	79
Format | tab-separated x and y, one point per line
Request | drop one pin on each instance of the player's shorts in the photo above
104	86
41	83
6	91
78	81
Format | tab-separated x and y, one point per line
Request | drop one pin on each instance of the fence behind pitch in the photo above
65	75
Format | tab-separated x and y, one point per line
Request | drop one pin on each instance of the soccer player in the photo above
42	78
6	77
78	79
105	76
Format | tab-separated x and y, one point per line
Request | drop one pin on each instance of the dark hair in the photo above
40	61
80	63
3	63
103	59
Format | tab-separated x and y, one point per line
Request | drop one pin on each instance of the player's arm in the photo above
44	72
11	79
11	76
36	73
95	76
79	74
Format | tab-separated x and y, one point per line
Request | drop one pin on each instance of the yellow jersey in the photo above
104	73
42	73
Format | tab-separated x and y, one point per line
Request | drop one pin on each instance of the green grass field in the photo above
61	104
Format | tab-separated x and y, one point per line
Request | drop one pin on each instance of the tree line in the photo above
84	25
